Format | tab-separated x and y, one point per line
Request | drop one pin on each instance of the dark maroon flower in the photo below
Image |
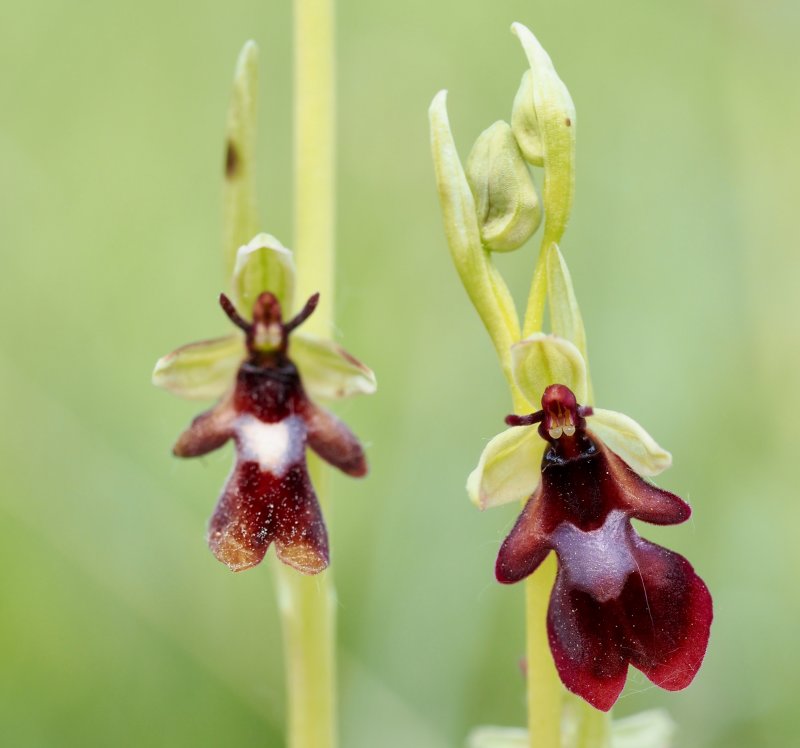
618	599
269	497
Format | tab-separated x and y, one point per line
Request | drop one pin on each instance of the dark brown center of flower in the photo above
267	335
561	416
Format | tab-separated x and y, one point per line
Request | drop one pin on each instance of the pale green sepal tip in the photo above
507	205
541	360
201	371
240	212
328	371
263	264
565	315
624	436
498	737
524	124
650	729
555	114
484	285
509	468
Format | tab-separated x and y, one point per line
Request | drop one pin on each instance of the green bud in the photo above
524	123
551	106
506	202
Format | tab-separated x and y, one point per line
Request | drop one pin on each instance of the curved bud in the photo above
524	124
239	212
555	116
263	264
487	290
506	202
541	360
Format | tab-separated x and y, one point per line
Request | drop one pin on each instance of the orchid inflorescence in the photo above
618	599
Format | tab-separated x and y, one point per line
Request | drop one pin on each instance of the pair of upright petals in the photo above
618	599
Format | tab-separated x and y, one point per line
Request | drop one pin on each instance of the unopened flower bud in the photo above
505	198
524	123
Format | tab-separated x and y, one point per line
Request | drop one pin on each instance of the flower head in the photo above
264	375
618	599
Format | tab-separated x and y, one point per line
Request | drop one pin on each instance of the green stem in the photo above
544	690
308	604
314	144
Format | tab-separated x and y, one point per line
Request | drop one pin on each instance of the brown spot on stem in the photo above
231	160
568	122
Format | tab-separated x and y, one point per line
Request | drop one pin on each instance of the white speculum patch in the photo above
274	446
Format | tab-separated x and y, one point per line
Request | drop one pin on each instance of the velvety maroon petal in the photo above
333	441
587	645
207	432
299	530
526	546
659	622
257	508
667	611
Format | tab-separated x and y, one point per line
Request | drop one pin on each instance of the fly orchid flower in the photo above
265	376
618	599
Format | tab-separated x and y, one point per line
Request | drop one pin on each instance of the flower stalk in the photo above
308	604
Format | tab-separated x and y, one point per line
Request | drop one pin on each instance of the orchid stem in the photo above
544	690
308	604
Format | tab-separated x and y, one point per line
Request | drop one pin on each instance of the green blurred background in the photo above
118	627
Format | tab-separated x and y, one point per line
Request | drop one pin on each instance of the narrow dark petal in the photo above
257	507
526	546
207	432
238	533
642	500
333	441
667	611
299	530
587	644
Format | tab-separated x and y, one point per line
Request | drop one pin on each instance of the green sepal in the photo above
263	264
650	729
541	360
328	371
506	202
624	436
509	468
565	315
203	370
